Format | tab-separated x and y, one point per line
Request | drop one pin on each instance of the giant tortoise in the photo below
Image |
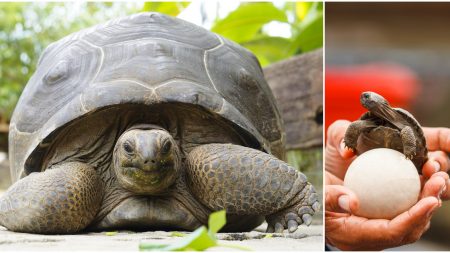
149	122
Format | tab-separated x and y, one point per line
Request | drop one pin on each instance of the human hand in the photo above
350	232
338	158
438	144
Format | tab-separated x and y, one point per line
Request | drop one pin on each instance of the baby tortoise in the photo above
386	127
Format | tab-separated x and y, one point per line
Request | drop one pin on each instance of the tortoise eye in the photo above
366	96
166	147
128	148
57	73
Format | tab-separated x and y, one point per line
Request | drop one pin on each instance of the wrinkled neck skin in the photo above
388	114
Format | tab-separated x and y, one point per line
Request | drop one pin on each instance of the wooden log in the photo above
4	128
298	89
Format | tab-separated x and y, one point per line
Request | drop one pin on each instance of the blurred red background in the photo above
344	84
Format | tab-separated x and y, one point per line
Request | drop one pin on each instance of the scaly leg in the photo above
409	142
62	199
245	181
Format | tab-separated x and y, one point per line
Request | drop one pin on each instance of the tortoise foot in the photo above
292	217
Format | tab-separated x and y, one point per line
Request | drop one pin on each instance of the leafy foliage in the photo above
169	8
245	25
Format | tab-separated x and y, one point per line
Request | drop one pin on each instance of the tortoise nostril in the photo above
149	161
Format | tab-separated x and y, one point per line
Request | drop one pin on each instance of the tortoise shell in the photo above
144	59
374	139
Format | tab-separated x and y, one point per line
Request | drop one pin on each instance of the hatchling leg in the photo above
353	132
62	199
409	142
245	181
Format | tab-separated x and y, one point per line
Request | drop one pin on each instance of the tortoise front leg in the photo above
245	181
62	199
354	130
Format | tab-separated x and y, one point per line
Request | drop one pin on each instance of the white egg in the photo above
385	182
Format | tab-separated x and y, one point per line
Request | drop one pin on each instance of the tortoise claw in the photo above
292	226
316	206
279	228
307	219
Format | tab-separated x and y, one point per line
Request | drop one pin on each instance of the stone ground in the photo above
307	239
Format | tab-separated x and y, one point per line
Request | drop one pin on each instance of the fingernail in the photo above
344	203
431	211
443	189
437	166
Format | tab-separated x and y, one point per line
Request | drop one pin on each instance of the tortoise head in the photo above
146	161
373	101
379	106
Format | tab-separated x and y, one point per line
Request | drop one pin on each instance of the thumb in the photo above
340	199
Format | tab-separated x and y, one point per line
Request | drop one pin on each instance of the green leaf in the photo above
243	23
302	9
177	234
310	36
169	8
112	233
269	49
216	221
152	247
199	240
268	236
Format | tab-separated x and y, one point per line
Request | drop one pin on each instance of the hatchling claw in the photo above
350	146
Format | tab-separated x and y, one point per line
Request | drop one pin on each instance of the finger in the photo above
335	137
338	158
416	231
435	186
414	217
445	193
340	199
437	161
438	138
332	179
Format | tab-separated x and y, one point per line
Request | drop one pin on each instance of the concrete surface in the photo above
309	239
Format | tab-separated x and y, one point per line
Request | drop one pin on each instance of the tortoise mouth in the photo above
146	182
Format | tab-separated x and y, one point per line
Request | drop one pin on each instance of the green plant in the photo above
199	240
245	25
